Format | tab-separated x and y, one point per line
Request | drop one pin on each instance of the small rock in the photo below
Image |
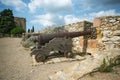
105	39
116	33
49	62
79	57
71	59
112	21
115	38
109	46
118	19
115	23
55	60
62	59
108	33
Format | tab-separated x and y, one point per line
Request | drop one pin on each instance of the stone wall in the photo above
108	45
80	44
20	22
108	32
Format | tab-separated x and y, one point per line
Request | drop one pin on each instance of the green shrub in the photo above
108	67
104	67
17	31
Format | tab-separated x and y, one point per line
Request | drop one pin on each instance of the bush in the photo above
108	67
17	31
104	67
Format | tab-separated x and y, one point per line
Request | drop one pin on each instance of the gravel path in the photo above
16	64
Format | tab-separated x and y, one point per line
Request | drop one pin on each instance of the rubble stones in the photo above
108	46
79	26
81	68
112	20
110	28
116	33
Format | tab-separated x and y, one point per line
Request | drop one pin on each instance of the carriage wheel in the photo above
68	54
40	57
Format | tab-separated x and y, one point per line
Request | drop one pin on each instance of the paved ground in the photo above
16	64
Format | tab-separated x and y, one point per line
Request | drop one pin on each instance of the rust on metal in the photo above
45	38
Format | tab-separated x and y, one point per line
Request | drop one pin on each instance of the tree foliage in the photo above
17	30
28	30
32	30
6	21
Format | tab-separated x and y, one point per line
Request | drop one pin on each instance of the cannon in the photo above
45	38
59	43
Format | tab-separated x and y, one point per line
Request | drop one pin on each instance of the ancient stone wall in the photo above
108	45
108	32
20	22
80	44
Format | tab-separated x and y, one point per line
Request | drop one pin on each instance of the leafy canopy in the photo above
6	21
17	30
32	30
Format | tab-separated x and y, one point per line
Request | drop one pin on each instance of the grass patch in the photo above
108	64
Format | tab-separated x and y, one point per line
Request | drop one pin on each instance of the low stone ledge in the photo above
60	59
83	67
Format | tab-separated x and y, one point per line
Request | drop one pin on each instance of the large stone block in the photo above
99	33
100	47
116	27
116	33
97	22
90	43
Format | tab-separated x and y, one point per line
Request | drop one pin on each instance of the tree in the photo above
28	30
32	30
17	31
6	21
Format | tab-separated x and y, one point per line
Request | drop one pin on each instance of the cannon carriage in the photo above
57	44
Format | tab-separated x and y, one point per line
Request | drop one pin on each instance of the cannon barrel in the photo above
45	38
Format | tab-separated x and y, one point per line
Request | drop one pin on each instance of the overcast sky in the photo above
45	13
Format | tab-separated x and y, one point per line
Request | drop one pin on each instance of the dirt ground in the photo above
16	64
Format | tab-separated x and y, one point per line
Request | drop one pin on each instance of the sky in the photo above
46	13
